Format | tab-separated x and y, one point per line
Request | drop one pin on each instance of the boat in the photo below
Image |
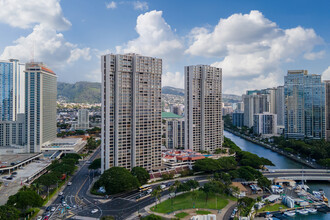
290	213
312	210
302	211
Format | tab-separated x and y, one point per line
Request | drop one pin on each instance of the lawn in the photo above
184	201
201	212
272	208
181	215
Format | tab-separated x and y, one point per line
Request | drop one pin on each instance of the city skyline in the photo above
257	42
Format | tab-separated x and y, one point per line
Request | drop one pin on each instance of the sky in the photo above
254	42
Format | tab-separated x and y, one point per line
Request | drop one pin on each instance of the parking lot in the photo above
11	186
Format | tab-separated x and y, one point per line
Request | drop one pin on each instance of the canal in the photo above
281	162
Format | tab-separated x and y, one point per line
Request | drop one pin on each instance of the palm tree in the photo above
37	186
156	193
171	190
176	185
194	197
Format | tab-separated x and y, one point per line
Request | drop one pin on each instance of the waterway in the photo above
281	162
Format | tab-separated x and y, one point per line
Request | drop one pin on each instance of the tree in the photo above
152	217
227	163
206	165
141	174
176	186
36	187
25	199
117	180
9	212
171	189
263	182
156	193
96	164
194	195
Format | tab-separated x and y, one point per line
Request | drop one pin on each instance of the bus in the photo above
144	188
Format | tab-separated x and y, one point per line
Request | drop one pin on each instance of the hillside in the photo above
89	92
79	92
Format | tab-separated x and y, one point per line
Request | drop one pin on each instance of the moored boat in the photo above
302	211
290	213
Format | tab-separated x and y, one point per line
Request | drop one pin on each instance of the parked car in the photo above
46	218
39	218
53	209
9	178
94	211
162	186
48	208
60	193
69	183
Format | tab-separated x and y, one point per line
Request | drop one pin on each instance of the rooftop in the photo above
170	115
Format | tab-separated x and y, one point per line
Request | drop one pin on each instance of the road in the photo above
76	194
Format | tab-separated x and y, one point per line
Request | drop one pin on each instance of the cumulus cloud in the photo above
156	38
27	13
326	74
111	5
45	44
173	79
252	48
143	6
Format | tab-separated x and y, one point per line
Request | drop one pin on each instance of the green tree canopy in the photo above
227	163
117	180
25	199
96	164
9	212
141	174
206	165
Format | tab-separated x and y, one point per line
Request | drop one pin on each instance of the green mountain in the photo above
79	92
90	92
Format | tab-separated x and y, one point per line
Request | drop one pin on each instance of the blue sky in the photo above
254	42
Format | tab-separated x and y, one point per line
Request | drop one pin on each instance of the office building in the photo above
40	105
265	124
12	89
304	105
239	107
203	108
131	111
238	119
173	130
327	110
12	133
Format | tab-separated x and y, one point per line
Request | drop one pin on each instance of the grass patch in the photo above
273	208
181	215
201	212
184	201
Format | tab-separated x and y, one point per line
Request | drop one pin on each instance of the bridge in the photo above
298	174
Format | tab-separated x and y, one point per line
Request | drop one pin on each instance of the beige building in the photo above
40	105
327	110
131	111
203	108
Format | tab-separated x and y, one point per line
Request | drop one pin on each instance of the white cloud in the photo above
27	13
252	48
173	79
314	55
156	38
326	74
143	6
46	45
111	5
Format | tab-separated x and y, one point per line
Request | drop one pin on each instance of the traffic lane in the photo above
229	212
290	175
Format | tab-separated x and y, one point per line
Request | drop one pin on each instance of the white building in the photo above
203	108
265	124
280	103
254	103
40	105
131	111
83	120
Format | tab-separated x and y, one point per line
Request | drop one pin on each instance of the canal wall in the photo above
279	151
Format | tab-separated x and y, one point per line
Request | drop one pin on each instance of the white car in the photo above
39	218
94	211
162	186
69	183
53	209
60	193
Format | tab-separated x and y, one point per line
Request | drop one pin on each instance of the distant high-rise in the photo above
254	102
83	119
173	130
238	119
11	95
279	97
265	124
327	109
203	108
40	105
304	105
131	111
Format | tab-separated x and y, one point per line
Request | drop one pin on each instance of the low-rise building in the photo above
67	145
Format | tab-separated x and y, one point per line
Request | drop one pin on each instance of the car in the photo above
63	203
48	208
68	207
162	186
69	183
60	193
6	184
74	206
46	218
39	218
48	213
53	209
9	178
149	191
94	211
4	177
